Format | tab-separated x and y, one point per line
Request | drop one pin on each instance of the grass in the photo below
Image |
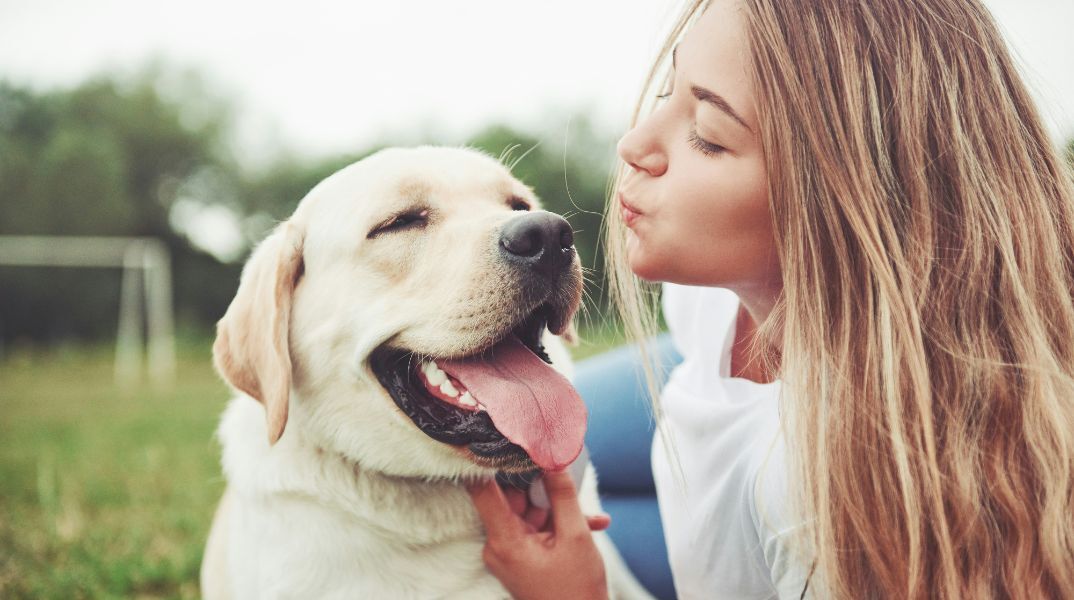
106	493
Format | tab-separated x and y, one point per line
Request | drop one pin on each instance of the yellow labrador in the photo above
398	335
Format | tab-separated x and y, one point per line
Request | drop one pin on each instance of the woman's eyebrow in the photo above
710	96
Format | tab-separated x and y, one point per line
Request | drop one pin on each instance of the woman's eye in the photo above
706	148
404	221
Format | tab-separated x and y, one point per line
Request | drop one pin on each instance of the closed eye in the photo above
414	219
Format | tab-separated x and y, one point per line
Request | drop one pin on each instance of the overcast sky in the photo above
325	77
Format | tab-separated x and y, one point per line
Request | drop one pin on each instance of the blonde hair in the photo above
925	228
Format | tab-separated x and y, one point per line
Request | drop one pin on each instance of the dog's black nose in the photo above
539	240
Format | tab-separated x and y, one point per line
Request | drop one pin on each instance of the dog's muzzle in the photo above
505	404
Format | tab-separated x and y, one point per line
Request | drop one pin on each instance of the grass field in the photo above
106	493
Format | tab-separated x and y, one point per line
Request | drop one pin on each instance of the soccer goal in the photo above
145	295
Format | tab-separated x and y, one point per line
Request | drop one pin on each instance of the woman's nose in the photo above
641	151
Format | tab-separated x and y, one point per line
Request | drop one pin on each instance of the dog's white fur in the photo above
332	490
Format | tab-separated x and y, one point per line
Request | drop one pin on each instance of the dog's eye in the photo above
519	204
402	221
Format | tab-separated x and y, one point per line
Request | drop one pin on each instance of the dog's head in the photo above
401	315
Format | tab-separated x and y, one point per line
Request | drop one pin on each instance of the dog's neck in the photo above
411	510
360	471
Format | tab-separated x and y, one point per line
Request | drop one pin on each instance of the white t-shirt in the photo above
726	537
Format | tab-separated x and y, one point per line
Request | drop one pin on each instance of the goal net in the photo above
145	295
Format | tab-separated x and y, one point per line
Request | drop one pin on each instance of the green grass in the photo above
106	493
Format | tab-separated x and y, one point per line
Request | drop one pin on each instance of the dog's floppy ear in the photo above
251	349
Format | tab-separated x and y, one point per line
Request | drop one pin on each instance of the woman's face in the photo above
695	200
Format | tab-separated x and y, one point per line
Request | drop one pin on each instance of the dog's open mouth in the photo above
505	403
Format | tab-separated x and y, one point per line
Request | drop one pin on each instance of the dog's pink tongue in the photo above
530	403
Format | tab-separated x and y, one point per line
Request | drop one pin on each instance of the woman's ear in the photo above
251	350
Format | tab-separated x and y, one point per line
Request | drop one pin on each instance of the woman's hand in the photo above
537	555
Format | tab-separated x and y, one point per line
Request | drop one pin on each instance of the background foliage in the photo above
118	156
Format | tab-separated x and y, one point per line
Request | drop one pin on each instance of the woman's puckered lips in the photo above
629	211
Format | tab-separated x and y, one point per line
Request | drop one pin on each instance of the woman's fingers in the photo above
516	499
566	513
598	522
507	513
496	515
536	517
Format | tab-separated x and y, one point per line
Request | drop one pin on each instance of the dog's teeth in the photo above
448	389
467	400
434	374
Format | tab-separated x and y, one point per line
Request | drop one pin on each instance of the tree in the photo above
103	158
114	156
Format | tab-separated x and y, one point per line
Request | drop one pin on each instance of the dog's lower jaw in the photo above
359	421
300	466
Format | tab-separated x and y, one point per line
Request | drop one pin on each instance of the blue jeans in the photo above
619	440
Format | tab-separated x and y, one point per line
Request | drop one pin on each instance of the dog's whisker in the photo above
524	155
507	152
566	184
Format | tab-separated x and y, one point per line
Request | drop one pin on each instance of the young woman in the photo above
859	195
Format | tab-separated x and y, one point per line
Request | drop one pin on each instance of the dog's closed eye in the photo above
517	203
410	219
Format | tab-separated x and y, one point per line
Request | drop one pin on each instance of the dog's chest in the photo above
300	547
306	525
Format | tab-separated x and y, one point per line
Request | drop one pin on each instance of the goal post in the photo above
145	294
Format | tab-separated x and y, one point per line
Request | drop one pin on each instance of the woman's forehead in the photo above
714	55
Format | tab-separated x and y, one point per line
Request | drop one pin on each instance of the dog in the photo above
401	334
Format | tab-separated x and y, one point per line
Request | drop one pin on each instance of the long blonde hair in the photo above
925	227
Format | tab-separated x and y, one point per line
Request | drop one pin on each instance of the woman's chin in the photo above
642	263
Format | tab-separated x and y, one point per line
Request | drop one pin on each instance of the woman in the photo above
872	185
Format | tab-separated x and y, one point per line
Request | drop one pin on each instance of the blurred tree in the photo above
79	167
100	159
132	156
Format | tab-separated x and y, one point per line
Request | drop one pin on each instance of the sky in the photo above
326	77
322	78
